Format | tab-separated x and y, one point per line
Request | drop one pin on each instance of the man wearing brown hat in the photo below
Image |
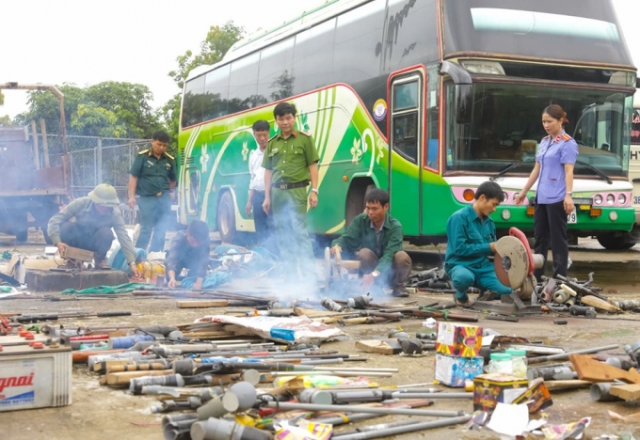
94	216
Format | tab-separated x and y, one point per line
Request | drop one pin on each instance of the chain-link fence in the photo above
93	160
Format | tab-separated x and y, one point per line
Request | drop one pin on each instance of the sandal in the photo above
464	304
400	293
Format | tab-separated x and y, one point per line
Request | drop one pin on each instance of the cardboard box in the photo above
456	339
454	370
537	396
491	389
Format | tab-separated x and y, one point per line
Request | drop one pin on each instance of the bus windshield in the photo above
506	128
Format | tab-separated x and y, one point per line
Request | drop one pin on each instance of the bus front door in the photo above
406	136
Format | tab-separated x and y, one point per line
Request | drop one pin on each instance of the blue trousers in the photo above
484	278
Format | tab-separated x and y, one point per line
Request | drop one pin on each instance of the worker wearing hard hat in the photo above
95	217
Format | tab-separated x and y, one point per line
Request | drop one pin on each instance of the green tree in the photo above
219	40
109	109
92	120
129	103
43	104
5	121
1	98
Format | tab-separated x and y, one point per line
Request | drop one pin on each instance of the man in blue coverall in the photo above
471	239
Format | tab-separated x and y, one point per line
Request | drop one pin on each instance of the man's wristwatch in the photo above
315	190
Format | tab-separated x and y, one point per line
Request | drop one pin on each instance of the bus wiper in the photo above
506	169
596	170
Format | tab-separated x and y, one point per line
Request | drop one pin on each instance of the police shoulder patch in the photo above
565	137
169	156
144	152
273	137
306	133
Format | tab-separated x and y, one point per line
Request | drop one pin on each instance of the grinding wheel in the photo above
512	262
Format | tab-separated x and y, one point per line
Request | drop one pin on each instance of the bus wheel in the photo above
226	218
616	242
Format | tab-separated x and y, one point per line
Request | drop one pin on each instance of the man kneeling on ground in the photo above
94	215
189	250
376	240
471	239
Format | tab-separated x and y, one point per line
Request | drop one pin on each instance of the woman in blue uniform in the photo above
553	171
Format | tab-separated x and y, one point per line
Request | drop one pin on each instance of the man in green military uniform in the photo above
153	182
375	239
95	216
290	163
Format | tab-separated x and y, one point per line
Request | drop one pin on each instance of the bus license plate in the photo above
572	218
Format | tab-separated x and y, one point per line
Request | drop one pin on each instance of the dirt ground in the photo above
99	412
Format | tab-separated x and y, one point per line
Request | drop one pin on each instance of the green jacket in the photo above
154	175
83	210
290	158
469	239
360	234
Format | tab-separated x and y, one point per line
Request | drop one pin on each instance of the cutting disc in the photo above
512	262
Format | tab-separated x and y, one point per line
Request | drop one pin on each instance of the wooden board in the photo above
378	346
626	392
202	304
595	371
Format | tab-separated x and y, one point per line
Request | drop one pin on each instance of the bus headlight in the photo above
622	199
506	214
611	199
515	196
613	216
597	199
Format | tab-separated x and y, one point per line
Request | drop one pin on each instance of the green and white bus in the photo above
424	98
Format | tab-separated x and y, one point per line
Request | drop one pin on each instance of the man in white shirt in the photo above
263	222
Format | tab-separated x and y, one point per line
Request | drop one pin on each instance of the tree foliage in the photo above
5	121
219	40
108	109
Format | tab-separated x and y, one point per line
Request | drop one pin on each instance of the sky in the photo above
85	42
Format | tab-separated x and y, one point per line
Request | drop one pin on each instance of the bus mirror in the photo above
464	103
463	89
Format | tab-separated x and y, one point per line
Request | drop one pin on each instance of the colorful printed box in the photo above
454	370
459	339
491	389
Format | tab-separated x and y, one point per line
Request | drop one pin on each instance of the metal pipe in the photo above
403	429
565	356
600	392
365	409
369	428
403	395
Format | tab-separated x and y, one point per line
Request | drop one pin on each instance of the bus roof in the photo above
258	40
